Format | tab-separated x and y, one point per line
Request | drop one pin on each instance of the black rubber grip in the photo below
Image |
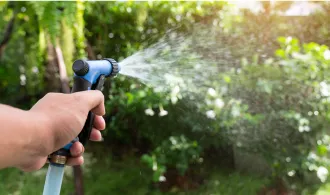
87	129
80	84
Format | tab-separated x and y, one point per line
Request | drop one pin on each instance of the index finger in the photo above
94	99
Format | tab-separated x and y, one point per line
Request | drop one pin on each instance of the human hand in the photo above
60	118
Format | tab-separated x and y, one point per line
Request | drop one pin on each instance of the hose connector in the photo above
61	156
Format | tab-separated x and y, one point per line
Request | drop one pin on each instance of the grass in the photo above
128	177
99	178
234	183
125	177
103	175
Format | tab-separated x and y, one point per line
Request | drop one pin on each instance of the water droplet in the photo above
111	35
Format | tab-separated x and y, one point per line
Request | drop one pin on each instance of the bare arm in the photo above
20	136
27	137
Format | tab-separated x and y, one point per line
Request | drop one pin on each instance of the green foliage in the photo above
126	27
50	15
35	25
177	152
290	94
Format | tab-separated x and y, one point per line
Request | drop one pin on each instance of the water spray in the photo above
88	75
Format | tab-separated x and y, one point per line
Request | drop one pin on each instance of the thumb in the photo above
93	100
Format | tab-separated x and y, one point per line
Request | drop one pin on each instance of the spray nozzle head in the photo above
115	66
91	70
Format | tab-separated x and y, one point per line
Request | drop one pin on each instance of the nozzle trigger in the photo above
100	83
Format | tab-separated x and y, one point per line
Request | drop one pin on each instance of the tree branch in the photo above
62	69
8	33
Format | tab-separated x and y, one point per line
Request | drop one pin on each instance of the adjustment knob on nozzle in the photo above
115	67
80	67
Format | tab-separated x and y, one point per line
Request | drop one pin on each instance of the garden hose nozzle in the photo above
88	75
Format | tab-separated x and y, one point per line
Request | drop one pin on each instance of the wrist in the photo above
42	130
34	145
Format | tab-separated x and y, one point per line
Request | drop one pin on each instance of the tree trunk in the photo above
90	53
78	180
62	70
52	80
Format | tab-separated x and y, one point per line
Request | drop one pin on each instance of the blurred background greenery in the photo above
261	127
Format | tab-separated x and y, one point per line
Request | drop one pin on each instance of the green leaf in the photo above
227	79
280	53
130	98
322	150
147	159
281	40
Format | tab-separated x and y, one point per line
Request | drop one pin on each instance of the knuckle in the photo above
76	97
99	94
50	95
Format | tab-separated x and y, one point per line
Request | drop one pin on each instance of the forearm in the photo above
20	136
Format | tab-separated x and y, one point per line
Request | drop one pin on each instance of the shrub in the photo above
176	152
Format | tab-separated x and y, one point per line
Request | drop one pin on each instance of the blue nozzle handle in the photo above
90	75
